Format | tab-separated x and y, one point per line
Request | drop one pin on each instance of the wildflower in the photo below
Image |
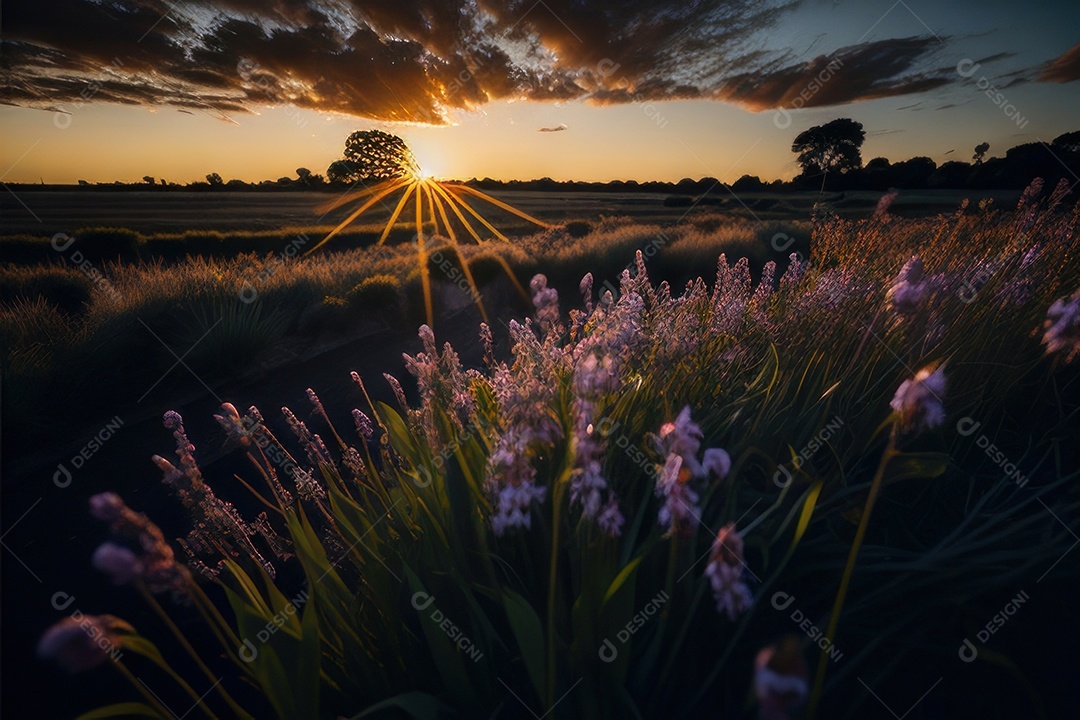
546	301
363	425
107	506
780	679
611	519
156	565
231	422
716	461
910	287
920	400
683	437
512	507
595	376
81	642
725	573
118	562
1061	330
680	500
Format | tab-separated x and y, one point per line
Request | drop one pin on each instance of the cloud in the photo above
879	69
558	128
421	60
1064	68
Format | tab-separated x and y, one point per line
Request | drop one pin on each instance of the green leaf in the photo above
622	577
121	710
807	512
529	633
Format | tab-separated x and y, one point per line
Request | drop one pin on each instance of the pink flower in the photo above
118	562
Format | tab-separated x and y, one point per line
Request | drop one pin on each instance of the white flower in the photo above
920	400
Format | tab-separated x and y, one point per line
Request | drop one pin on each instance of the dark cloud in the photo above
884	68
558	128
418	60
1065	68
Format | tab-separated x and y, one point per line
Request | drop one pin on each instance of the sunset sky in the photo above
106	90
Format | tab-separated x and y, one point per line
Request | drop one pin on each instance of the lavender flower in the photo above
117	561
680	509
910	287
920	400
81	642
513	505
780	679
725	573
683	437
546	301
1061	330
611	519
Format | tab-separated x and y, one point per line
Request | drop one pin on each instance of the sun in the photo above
431	200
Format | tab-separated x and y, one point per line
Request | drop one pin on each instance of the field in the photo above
676	471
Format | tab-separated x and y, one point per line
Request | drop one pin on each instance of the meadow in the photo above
704	465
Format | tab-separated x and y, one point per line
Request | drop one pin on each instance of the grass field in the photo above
641	492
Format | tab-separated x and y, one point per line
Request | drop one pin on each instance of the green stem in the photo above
239	712
553	579
147	695
849	570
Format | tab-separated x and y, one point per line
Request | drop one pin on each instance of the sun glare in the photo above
431	199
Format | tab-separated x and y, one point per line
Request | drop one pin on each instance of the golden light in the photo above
434	197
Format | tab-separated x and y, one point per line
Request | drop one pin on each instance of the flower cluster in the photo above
725	570
154	564
681	441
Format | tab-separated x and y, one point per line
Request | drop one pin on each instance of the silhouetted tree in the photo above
1067	142
341	171
377	155
980	152
214	179
832	147
148	179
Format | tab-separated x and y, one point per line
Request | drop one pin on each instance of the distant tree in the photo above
148	179
878	163
832	147
341	171
284	181
302	174
913	173
377	155
980	152
748	183
214	179
162	181
1068	142
953	174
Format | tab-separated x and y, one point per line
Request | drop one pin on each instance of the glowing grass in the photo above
418	186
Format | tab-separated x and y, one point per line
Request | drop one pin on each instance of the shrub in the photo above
375	293
105	243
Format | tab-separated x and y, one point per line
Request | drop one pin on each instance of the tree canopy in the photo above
373	155
831	147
